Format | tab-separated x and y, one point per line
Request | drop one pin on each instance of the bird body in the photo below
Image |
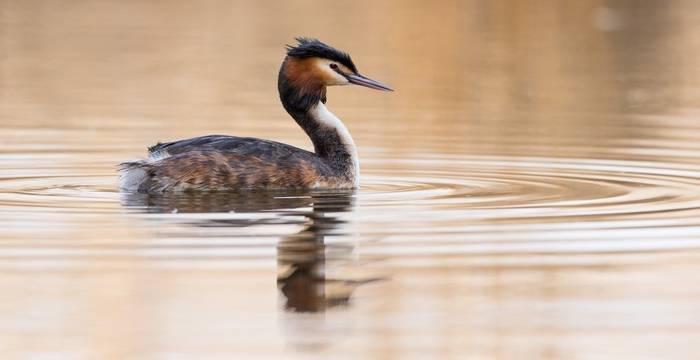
221	163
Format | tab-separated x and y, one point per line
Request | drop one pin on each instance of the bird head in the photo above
311	65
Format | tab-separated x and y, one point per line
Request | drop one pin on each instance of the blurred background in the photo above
530	190
185	68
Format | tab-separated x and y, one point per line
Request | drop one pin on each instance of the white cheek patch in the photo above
330	76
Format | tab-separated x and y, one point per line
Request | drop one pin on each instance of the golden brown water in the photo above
531	190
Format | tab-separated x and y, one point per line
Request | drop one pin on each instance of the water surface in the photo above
531	190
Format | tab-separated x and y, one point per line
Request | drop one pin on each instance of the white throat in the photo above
327	118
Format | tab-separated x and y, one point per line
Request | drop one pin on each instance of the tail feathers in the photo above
133	175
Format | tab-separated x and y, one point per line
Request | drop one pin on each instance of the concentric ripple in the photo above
498	188
506	188
427	205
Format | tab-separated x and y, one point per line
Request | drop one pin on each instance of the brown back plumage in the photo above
231	163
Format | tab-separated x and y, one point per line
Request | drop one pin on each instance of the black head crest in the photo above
309	47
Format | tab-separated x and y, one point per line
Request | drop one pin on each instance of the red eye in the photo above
334	66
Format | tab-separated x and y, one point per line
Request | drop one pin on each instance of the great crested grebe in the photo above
219	162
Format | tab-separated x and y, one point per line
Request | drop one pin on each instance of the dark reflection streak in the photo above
302	257
219	202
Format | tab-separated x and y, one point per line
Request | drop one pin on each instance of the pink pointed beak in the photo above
362	80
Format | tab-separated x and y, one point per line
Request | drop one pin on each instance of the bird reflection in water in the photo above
303	257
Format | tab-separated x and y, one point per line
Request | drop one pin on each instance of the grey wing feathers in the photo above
176	147
214	142
221	162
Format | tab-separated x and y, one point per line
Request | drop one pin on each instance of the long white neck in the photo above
326	120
